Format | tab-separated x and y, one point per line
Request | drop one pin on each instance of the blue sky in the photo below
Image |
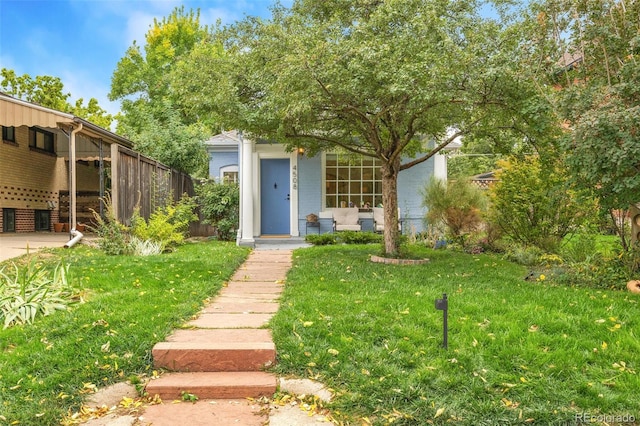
81	41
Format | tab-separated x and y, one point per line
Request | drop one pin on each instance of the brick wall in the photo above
25	220
29	179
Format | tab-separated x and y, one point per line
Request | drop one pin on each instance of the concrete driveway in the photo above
14	245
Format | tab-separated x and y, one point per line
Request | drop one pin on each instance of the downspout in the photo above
76	235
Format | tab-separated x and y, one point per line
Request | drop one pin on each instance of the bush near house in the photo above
220	207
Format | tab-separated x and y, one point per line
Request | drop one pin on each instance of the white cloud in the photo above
210	16
138	24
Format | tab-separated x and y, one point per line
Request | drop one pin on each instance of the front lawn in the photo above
131	303
520	352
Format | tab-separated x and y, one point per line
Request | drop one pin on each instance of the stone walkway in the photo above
237	316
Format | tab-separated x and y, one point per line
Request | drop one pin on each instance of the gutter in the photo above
76	235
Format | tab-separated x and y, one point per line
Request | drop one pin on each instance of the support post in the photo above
443	305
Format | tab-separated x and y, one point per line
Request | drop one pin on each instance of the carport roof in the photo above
16	112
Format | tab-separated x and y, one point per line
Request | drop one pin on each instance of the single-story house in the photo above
279	189
56	167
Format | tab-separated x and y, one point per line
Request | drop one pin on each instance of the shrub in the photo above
356	237
524	255
167	226
321	239
113	237
220	207
32	290
141	247
456	204
533	203
580	248
345	237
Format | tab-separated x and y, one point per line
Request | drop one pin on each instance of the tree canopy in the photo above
49	92
385	79
590	51
151	117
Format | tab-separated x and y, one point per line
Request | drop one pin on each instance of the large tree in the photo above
151	117
590	51
385	79
49	92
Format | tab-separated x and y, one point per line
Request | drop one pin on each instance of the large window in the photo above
9	134
352	181
41	139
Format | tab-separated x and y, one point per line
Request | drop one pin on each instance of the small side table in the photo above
312	225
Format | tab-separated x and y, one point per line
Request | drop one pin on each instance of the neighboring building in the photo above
484	180
55	168
278	189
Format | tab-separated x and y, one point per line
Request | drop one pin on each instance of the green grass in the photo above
519	351
131	304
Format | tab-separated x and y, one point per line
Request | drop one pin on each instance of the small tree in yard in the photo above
384	79
456	204
220	207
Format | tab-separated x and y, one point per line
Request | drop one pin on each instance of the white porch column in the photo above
440	166
246	193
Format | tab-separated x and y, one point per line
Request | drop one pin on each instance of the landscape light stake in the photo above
443	305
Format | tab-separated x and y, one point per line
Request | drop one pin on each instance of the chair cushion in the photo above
348	228
346	216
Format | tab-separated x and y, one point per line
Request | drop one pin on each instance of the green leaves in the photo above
220	207
33	290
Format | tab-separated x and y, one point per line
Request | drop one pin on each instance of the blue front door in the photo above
274	197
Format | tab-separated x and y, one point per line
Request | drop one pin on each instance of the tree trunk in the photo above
390	203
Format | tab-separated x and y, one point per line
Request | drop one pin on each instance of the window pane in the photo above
332	188
356	173
9	133
367	174
332	160
343	174
39	140
377	174
48	142
332	173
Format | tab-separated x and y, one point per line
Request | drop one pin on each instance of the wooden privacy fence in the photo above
144	182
